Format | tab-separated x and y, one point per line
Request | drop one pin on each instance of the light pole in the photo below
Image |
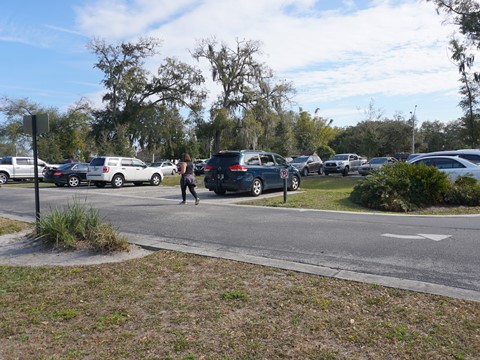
413	128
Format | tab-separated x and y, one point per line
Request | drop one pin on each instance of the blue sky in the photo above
340	55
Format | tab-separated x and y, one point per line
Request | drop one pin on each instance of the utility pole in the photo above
413	128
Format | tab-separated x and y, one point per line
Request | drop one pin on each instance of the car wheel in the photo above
3	178
173	172
294	183
326	173
117	181
305	172
220	192
345	171
73	181
257	187
59	185
320	170
99	184
155	180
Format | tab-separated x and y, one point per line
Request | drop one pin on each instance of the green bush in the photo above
76	226
401	187
464	191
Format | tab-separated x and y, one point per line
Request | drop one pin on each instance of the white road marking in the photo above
434	237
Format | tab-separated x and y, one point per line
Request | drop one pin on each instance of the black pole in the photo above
284	191
35	165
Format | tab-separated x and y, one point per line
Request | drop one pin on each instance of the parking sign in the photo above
284	174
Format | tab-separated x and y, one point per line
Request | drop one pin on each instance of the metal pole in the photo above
35	165
413	129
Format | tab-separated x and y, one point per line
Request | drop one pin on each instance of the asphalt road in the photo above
437	254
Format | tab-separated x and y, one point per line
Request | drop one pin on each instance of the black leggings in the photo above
191	188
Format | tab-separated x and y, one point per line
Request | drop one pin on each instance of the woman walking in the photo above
187	179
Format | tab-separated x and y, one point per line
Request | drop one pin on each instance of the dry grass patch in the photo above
171	305
8	226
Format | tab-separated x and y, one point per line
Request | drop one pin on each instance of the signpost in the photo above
284	176
33	125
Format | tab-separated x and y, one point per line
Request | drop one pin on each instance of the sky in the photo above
342	56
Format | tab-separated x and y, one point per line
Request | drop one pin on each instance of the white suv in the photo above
118	170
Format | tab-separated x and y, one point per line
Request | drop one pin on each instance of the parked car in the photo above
375	164
21	168
199	166
413	156
308	164
118	170
453	166
253	171
343	164
71	174
166	167
472	155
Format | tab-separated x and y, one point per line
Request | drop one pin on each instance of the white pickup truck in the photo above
343	163
20	167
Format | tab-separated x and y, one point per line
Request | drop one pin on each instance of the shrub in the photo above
401	187
464	191
75	225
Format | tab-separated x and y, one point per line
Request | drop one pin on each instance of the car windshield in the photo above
377	161
340	157
299	160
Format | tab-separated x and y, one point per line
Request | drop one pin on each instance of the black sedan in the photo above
71	174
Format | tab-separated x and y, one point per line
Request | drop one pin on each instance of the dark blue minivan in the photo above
248	170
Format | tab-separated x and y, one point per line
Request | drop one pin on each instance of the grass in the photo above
171	305
8	226
333	193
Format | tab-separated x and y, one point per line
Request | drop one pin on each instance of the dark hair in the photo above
186	157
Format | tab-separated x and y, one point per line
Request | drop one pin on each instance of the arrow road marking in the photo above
434	237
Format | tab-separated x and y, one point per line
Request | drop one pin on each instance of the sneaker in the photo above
182	203
197	200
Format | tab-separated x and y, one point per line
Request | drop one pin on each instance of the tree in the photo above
132	91
466	15
244	81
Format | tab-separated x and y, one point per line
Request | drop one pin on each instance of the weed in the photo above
235	295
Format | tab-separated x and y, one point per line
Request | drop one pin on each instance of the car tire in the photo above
3	178
294	183
320	170
305	172
257	187
220	192
117	181
326	173
345	171
99	184
155	180
73	181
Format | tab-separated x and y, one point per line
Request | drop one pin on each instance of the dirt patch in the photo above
20	249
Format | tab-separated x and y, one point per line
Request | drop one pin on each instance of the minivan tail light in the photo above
106	169
238	167
208	168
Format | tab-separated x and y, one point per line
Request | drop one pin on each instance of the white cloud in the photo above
392	48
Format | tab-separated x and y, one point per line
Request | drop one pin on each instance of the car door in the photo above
140	170
23	168
270	172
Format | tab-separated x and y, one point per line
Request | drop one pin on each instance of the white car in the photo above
453	166
167	167
118	170
472	155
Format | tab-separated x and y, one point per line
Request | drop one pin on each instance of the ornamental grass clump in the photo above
77	227
401	187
